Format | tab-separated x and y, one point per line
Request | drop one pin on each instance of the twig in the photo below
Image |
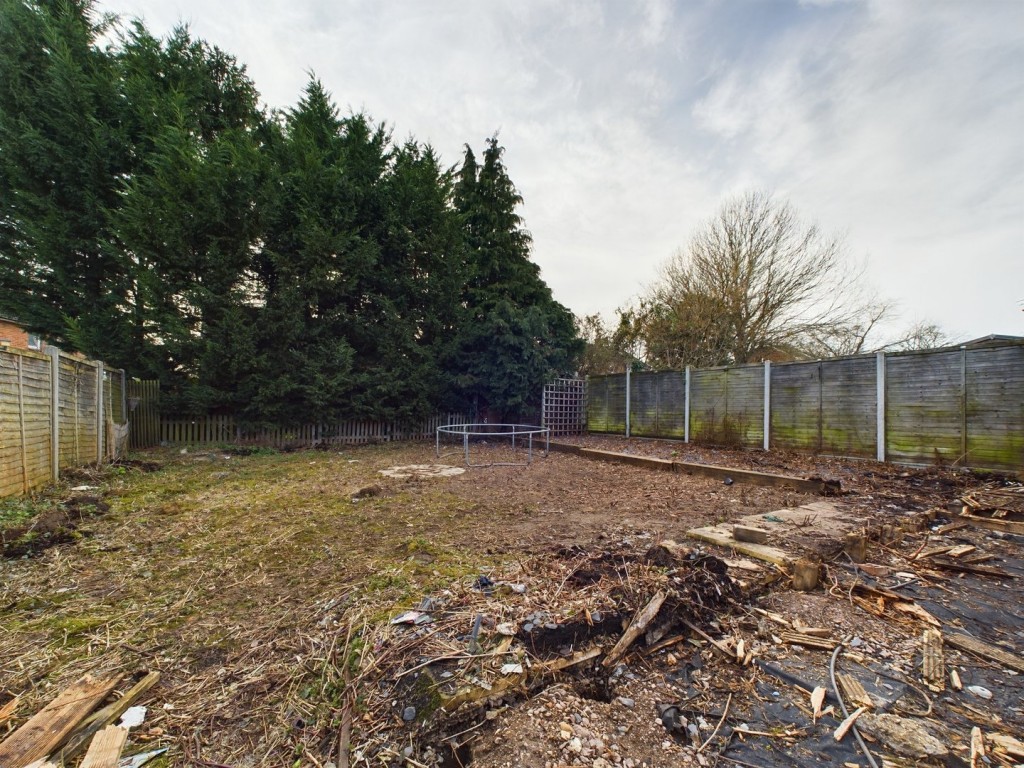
720	721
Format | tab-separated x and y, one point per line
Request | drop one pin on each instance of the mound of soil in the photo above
57	526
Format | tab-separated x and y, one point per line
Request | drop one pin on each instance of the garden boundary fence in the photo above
223	430
56	411
955	405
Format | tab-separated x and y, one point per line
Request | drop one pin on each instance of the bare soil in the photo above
263	587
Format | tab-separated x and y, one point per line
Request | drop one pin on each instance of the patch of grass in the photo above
16	512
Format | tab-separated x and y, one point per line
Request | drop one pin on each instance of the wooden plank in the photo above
106	716
933	668
49	726
986	651
635	628
627	458
721	536
766	479
1007	526
105	750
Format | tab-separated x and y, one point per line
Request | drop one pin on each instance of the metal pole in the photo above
767	401
627	402
465	444
880	405
529	450
686	409
437	442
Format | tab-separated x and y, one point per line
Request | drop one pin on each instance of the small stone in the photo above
600	762
575	745
409	714
625	701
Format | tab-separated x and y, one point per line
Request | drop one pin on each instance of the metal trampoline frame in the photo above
512	431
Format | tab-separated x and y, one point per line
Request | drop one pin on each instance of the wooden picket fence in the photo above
222	430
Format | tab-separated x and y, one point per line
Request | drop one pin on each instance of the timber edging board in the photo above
804	485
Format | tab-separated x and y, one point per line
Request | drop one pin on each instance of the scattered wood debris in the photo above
986	651
933	669
48	728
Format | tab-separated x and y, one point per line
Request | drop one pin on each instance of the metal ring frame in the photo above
467	431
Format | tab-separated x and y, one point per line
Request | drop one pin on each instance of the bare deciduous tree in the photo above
755	282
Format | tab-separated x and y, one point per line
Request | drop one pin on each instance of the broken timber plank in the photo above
749	534
572	661
722	536
963	549
977	748
986	651
7	710
804	485
49	726
646	462
978	570
1007	526
956	525
105	750
106	716
933	668
635	628
810	641
853	690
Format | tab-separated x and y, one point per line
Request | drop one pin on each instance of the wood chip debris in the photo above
933	669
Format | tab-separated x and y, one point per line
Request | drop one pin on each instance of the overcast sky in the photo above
900	124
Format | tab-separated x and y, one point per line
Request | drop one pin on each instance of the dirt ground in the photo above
263	588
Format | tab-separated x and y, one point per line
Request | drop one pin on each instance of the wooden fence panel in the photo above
744	406
144	413
644	402
25	460
849	403
77	412
708	406
796	406
923	420
994	416
671	404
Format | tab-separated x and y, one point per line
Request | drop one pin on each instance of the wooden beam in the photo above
635	628
105	750
50	726
984	650
722	536
646	462
106	716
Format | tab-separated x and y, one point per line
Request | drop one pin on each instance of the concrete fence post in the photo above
99	412
963	406
767	401
880	404
54	354
627	402
686	408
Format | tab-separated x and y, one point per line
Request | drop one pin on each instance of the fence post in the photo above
686	408
767	401
963	405
627	402
54	354
99	412
880	404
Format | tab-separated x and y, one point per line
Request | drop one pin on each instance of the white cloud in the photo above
625	124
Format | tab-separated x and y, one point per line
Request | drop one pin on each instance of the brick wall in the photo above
13	335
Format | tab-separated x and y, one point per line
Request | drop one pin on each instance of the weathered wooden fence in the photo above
222	430
144	410
953	406
56	411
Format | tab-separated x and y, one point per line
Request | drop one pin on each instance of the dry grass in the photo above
216	570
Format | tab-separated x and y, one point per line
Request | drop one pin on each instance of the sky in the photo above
898	125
